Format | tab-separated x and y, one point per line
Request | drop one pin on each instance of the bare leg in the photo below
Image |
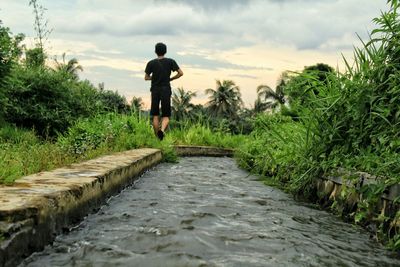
164	123
156	123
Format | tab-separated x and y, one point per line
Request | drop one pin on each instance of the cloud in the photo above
207	61
210	5
244	76
251	41
304	24
160	20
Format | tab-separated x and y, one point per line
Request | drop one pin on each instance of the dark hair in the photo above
161	49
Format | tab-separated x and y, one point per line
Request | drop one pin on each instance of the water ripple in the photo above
207	212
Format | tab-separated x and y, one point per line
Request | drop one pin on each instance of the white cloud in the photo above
251	41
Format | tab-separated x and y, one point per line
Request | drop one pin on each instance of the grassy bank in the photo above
339	123
23	152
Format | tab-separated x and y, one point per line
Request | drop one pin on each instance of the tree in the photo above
181	104
272	98
71	67
303	87
136	104
112	101
259	106
35	58
269	98
225	100
321	70
40	25
10	51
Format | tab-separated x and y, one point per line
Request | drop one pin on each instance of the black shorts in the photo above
163	95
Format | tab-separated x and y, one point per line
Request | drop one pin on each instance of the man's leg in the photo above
156	124
164	123
155	110
165	108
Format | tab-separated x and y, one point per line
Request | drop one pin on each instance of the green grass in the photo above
23	153
198	134
345	121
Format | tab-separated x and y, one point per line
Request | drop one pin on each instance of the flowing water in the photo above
207	212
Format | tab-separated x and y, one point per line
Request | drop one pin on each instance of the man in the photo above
159	71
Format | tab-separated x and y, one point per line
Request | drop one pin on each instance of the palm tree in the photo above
71	67
181	104
259	106
273	98
226	100
136	104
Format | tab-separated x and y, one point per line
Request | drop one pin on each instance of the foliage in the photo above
269	99
225	100
34	96
113	130
50	101
112	101
198	134
70	68
40	25
303	88
274	149
182	108
40	99
9	51
276	97
259	106
136	104
23	153
348	121
35	58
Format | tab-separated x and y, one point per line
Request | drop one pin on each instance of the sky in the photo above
248	41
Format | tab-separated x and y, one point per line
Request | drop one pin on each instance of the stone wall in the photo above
190	151
36	208
330	189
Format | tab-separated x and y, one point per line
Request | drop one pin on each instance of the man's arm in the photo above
147	77
177	76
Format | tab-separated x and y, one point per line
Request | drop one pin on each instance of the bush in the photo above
41	99
347	121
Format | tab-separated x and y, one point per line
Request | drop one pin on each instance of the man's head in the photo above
161	49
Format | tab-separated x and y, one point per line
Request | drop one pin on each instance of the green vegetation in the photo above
23	152
198	134
317	122
225	100
338	124
49	117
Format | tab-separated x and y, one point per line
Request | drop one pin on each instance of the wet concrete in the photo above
38	207
207	212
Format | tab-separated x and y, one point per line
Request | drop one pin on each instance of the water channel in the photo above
208	212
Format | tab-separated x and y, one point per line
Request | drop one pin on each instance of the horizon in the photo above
248	41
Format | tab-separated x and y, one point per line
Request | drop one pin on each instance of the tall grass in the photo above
202	134
348	121
23	153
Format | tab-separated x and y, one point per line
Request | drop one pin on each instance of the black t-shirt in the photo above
160	69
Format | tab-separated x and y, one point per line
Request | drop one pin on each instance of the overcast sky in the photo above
248	41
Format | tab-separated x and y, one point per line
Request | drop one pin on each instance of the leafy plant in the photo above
348	121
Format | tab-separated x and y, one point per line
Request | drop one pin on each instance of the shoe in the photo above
160	135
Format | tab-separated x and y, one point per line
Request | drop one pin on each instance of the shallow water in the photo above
207	212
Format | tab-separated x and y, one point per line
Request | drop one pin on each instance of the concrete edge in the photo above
191	151
390	194
39	207
330	189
